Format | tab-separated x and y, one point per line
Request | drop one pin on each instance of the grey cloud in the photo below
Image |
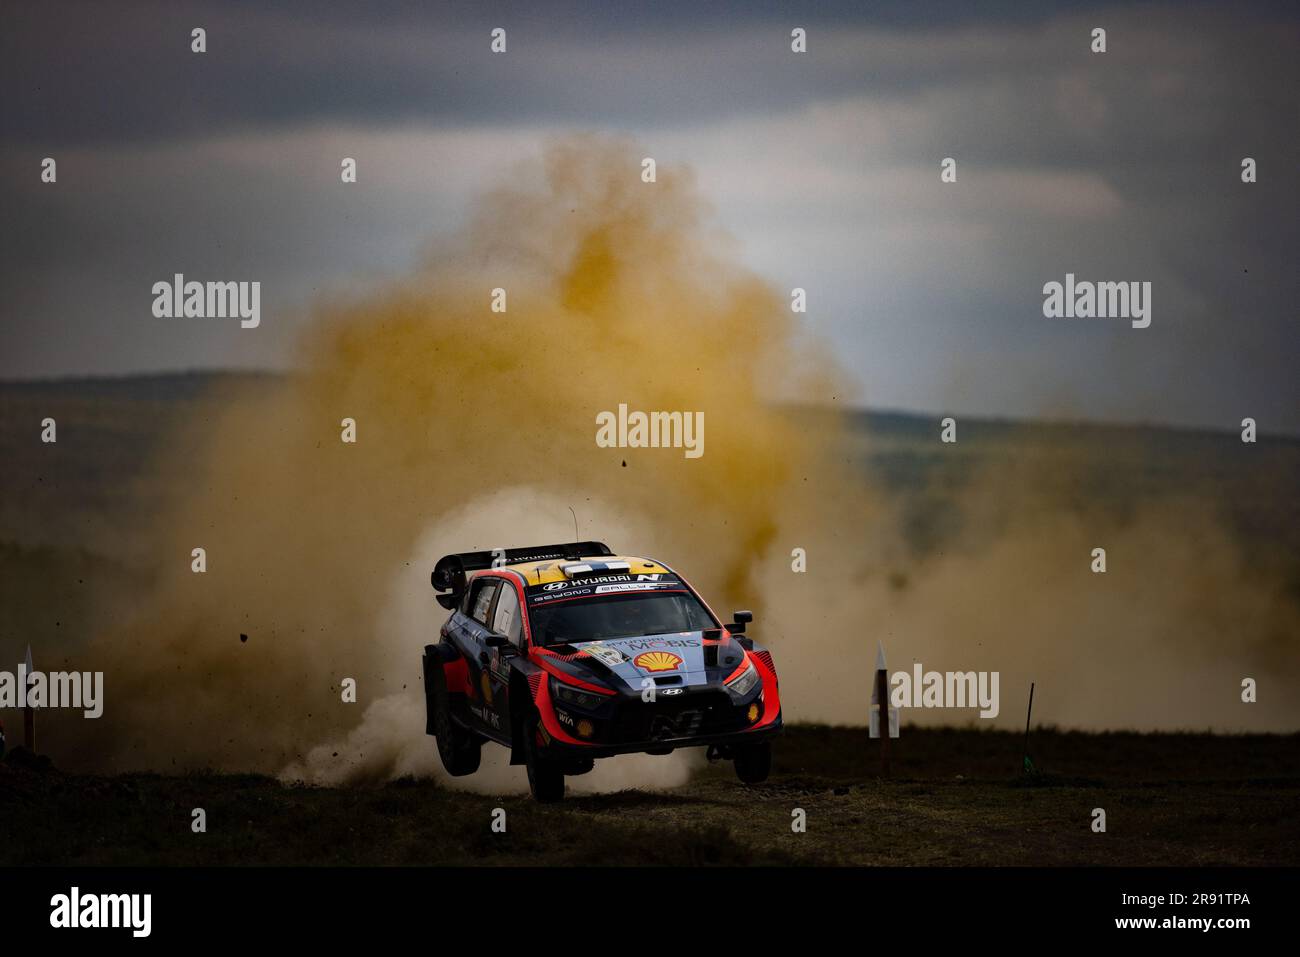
92	72
825	169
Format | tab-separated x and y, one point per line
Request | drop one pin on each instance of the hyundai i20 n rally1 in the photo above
568	653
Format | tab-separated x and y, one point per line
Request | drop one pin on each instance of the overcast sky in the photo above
824	166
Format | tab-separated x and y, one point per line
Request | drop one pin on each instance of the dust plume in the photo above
476	429
1161	641
319	551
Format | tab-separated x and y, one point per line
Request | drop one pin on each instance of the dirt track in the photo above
1169	799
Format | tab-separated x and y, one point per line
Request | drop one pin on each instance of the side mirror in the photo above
742	618
493	640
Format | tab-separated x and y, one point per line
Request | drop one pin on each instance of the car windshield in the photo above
622	616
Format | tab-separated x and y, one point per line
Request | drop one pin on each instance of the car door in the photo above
507	621
472	642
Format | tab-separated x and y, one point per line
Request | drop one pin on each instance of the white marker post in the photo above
884	719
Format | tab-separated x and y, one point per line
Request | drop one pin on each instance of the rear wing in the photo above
449	574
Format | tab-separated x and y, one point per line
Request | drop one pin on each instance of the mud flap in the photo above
434	685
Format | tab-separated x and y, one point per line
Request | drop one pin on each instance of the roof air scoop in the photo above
578	570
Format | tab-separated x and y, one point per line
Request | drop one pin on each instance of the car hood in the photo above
687	656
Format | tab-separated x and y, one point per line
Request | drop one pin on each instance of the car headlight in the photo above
579	699
742	686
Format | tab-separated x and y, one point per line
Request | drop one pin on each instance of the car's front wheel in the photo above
754	762
545	777
459	747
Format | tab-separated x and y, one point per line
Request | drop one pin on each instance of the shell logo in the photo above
657	661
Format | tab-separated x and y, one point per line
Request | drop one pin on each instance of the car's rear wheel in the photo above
459	747
545	777
754	762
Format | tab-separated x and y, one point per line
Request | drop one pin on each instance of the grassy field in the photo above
955	798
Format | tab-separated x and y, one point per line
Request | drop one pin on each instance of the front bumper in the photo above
576	723
626	723
610	747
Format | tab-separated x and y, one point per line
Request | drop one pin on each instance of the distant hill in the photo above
118	422
158	387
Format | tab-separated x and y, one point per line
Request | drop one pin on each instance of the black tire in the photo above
459	747
545	777
754	762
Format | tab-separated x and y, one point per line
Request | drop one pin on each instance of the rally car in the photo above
569	653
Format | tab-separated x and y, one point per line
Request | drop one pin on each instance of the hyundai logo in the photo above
668	691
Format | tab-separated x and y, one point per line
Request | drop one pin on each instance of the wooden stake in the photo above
1024	764
29	713
882	699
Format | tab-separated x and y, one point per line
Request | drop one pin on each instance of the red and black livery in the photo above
568	653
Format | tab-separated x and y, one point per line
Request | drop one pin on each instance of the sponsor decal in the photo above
597	579
542	597
565	717
649	586
585	580
610	656
639	644
485	682
657	661
486	716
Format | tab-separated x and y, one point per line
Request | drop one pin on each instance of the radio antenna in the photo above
575	522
